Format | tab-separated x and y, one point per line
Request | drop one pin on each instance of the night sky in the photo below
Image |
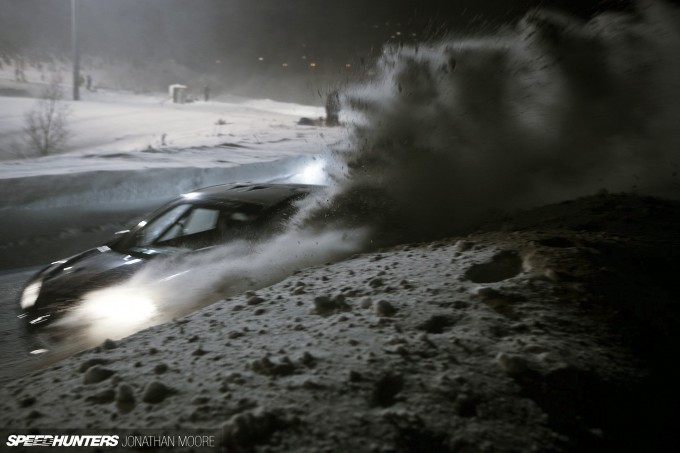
205	33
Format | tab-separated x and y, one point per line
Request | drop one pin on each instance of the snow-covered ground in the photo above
128	153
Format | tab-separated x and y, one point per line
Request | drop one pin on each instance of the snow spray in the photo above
449	132
550	109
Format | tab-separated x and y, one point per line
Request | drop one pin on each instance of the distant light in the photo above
312	65
398	33
304	57
261	58
348	65
285	65
313	173
218	61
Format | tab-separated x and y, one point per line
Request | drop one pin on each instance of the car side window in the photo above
198	220
148	234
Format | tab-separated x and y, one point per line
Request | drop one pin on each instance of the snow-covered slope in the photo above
544	338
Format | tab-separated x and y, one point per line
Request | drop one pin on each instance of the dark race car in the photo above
192	223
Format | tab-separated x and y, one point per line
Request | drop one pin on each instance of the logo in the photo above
47	440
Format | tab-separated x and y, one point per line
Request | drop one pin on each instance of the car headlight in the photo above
30	294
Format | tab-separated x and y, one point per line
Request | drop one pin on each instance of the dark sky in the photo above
197	33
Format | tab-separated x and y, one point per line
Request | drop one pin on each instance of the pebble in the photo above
97	374
254	300
109	344
384	309
92	362
125	393
155	392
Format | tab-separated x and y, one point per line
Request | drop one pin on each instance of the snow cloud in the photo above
550	109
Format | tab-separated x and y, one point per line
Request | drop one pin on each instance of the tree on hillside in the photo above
46	125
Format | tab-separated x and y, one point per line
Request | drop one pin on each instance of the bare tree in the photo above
46	130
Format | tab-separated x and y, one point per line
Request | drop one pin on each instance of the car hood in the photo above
68	280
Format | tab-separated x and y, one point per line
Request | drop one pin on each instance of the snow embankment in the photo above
542	339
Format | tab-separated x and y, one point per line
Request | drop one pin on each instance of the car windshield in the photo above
191	226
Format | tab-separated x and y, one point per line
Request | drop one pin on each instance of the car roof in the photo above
262	194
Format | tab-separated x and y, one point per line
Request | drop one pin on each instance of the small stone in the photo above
199	400
34	414
323	305
97	374
384	309
92	362
463	246
160	368
308	360
109	344
28	401
254	300
512	365
155	392
125	393
376	282
436	324
366	302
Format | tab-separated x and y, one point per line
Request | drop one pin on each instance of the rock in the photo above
436	324
254	300
97	374
376	282
463	246
160	368
268	368
28	401
502	266
92	362
308	360
125	393
512	365
199	400
250	428
366	302
325	306
384	309
155	392
108	344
